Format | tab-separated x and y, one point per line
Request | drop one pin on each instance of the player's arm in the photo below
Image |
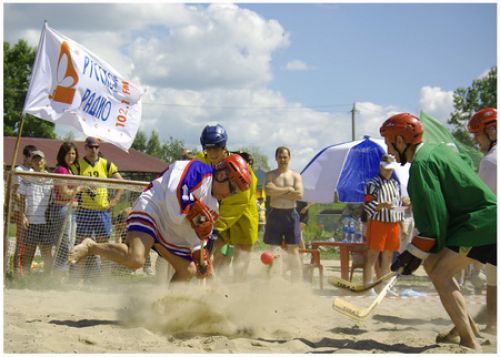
431	218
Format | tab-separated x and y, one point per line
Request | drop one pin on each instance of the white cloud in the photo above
436	102
207	64
297	65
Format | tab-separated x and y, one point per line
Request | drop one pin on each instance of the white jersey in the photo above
160	210
488	169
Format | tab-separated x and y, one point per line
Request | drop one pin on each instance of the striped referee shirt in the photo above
379	190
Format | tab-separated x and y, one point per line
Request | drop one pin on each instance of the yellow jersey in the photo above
94	198
238	221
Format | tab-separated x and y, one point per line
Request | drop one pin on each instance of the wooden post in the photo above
8	195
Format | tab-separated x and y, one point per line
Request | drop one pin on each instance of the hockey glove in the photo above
413	256
204	269
201	218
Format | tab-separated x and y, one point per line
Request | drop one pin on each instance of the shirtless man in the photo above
284	188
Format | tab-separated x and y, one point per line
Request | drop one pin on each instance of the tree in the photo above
481	94
172	150
140	141
259	159
18	63
69	136
153	146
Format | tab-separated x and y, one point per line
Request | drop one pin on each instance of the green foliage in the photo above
481	94
313	231
18	63
172	150
69	136
140	141
153	146
169	151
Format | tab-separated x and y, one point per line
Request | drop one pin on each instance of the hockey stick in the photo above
344	284
354	312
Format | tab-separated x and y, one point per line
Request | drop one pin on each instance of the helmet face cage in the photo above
239	173
213	136
482	120
405	125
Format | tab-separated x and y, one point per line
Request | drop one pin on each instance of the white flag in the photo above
70	85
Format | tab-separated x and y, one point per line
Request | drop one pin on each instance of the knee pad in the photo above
491	275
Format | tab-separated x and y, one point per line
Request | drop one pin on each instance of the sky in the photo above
277	74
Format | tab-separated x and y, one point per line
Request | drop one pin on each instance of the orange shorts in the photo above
383	236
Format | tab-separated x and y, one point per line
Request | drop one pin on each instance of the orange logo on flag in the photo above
65	91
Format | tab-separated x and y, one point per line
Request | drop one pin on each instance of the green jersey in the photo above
450	201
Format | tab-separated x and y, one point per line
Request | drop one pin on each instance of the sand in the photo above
263	315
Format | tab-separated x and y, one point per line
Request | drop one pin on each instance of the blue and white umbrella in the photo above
341	172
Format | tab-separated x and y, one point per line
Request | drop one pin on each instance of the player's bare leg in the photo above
370	261
132	255
241	261
221	262
441	268
294	263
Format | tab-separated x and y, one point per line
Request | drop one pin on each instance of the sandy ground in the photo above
264	315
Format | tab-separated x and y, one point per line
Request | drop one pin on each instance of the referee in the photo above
382	195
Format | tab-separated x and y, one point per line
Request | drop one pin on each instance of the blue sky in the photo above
382	53
280	74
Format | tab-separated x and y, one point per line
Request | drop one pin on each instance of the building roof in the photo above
133	161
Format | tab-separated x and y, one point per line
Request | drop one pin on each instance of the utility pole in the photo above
353	121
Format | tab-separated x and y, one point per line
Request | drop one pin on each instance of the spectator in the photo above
408	223
303	211
19	208
63	223
187	155
483	125
448	198
174	225
35	197
284	187
93	218
238	223
382	196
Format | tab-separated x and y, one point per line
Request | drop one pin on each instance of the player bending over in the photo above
175	216
455	216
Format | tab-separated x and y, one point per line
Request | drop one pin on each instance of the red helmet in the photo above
239	173
482	120
403	124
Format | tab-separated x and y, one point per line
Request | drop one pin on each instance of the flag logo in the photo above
67	77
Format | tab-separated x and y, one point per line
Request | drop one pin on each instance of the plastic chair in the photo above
314	263
358	261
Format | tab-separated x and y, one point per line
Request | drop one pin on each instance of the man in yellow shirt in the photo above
93	217
238	221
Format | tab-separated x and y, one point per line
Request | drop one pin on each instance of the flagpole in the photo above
8	198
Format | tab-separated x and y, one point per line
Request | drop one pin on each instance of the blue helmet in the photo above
213	136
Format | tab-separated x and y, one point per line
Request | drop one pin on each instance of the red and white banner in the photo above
72	86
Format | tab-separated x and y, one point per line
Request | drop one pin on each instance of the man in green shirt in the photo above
454	212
